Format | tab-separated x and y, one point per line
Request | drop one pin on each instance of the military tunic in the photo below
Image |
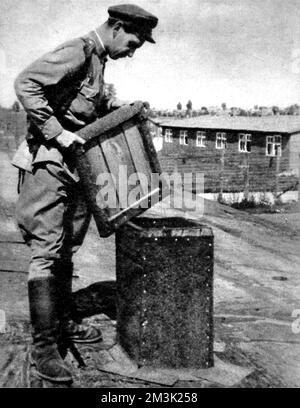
64	89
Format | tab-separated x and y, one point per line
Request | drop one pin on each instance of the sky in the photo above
242	52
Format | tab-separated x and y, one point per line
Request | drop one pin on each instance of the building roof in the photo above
278	124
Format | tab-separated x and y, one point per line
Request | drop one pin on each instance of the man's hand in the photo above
118	103
68	139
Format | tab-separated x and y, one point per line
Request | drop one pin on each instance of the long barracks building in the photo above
236	154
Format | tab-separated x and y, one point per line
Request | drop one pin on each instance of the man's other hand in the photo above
68	139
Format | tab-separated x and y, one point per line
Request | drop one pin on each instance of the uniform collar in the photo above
100	49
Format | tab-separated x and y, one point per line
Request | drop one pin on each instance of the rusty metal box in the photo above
116	166
164	272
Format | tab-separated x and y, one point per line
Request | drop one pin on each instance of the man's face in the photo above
124	44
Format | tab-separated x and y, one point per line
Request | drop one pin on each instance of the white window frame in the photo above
183	134
275	143
200	139
168	136
245	140
221	140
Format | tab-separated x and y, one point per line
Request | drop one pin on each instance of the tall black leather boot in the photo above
71	330
44	355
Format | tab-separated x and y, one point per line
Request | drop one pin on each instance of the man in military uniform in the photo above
62	92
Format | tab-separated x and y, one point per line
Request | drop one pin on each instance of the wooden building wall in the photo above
229	170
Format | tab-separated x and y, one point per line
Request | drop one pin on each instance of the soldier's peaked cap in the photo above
139	18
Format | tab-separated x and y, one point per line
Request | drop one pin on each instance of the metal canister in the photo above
164	272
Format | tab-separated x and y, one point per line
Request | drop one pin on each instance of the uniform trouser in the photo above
52	215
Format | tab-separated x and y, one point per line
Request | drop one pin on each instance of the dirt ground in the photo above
256	294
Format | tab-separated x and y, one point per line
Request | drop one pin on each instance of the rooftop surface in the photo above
278	124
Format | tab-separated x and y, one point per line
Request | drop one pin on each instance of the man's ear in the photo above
116	27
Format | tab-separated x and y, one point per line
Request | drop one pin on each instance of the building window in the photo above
183	137
273	145
168	135
245	142
201	137
221	140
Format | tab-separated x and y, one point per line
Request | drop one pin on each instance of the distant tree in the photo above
153	113
224	106
179	106
292	110
189	105
242	112
16	106
256	113
234	111
276	110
